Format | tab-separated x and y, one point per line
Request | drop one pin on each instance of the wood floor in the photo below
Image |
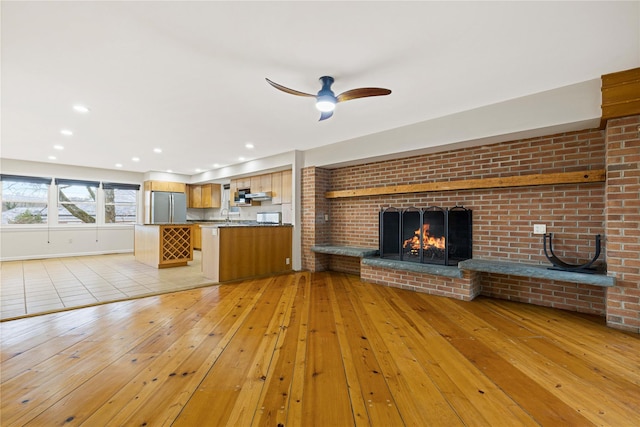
320	349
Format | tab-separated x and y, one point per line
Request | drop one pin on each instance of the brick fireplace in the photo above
503	218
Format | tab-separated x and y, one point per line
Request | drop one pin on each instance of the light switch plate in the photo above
539	229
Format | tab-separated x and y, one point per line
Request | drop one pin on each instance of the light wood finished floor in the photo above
322	349
45	285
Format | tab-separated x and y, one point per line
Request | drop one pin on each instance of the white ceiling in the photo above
189	77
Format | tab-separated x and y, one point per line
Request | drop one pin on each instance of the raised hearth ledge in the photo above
345	251
536	271
369	257
433	269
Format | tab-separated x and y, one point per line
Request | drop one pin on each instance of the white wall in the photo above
49	241
35	242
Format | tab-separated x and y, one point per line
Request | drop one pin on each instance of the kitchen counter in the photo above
240	251
163	245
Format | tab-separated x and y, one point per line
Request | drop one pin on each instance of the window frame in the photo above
30	180
59	204
119	186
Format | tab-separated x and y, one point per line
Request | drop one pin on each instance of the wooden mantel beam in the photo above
597	175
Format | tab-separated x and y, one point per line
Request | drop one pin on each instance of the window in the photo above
76	201
25	199
120	202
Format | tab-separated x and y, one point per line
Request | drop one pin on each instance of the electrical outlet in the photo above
288	261
326	217
539	229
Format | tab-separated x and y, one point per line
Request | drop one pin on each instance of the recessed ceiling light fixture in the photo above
118	165
249	145
52	157
80	109
169	171
135	159
198	170
66	132
157	150
216	165
241	159
58	147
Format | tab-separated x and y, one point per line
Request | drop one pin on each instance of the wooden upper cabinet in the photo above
276	188
204	196
260	183
211	196
195	196
281	187
286	186
176	187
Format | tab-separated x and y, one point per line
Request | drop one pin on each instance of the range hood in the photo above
259	197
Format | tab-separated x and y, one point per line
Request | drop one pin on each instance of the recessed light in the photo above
52	157
58	147
81	109
169	170
66	132
157	150
135	159
241	159
118	165
216	165
249	145
198	170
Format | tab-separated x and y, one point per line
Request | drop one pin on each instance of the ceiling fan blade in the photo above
325	115
287	90
362	92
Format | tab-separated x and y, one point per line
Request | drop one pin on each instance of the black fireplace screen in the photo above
432	235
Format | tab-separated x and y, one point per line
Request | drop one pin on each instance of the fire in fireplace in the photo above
432	235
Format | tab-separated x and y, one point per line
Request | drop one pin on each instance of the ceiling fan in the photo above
326	100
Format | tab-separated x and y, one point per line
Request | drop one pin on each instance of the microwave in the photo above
241	198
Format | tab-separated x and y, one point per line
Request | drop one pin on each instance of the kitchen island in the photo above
163	245
233	252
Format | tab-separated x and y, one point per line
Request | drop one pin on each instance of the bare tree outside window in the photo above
76	204
24	202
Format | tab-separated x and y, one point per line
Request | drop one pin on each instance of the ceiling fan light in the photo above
325	105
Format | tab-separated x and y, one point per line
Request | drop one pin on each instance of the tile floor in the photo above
44	285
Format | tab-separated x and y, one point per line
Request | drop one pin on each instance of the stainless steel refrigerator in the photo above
168	208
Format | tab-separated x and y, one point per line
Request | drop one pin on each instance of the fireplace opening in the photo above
432	235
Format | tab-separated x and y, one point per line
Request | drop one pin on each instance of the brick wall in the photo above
502	218
465	288
623	222
315	230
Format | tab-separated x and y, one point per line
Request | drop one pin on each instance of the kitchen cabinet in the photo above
195	196
204	196
174	187
281	187
165	245
196	236
261	183
211	195
276	188
239	252
286	186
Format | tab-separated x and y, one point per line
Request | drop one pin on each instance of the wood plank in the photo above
326	399
219	391
546	408
416	396
317	349
596	175
277	394
367	376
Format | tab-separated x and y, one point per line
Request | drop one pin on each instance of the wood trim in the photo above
597	175
620	95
